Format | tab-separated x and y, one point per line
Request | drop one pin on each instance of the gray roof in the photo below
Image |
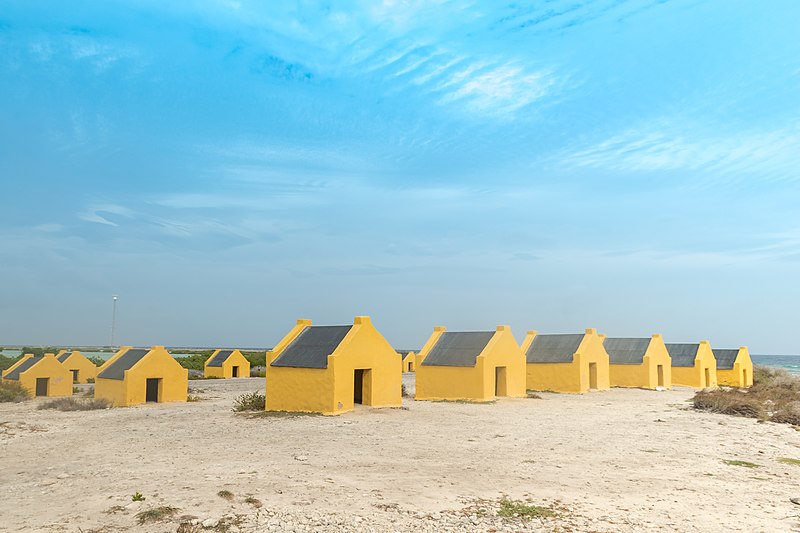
683	354
626	351
458	348
725	358
63	357
25	365
116	370
220	358
311	348
553	348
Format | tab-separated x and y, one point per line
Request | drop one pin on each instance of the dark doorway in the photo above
593	376
358	386
744	377
500	383
660	369
707	376
42	385
235	371
151	392
74	376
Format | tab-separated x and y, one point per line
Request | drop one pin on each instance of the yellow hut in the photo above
693	365
135	376
41	376
470	365
227	364
409	361
734	367
79	366
642	363
566	362
328	369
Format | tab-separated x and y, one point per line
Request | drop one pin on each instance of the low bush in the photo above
774	396
156	514
518	509
11	391
76	404
252	401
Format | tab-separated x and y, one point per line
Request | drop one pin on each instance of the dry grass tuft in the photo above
255	502
774	396
156	514
225	495
76	404
252	401
12	391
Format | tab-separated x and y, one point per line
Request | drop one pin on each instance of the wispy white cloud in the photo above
98	214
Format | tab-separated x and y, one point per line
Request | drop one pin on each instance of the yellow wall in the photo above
131	390
695	376
60	380
475	383
410	362
226	370
330	390
574	376
741	375
86	369
645	375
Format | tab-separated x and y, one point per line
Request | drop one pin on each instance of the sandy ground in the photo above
622	460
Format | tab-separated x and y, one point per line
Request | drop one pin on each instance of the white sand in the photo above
623	460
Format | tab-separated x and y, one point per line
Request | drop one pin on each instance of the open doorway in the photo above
593	375
707	377
500	381
660	370
234	371
74	376
744	377
151	390
358	386
42	384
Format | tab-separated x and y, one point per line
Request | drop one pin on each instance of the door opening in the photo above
744	377
74	376
42	384
151	390
235	371
660	370
592	375
500	381
358	386
707	377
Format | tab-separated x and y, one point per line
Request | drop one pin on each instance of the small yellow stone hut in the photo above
41	376
470	365
227	364
642	363
134	376
409	361
566	362
329	369
82	370
693	365
734	367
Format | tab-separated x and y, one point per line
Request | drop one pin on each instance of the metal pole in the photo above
113	320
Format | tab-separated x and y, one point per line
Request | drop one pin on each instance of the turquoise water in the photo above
787	362
100	355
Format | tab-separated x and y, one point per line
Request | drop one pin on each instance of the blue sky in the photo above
229	166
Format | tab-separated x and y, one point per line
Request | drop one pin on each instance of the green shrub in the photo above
252	401
137	497
76	404
12	391
518	509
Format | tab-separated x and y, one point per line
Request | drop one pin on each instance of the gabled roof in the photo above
25	365
458	348
116	370
63	357
683	354
553	348
623	351
725	358
311	348
220	358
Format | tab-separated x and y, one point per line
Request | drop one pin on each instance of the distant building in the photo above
734	367
139	375
329	369
41	376
693	365
643	363
566	362
227	364
409	359
82	370
470	365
